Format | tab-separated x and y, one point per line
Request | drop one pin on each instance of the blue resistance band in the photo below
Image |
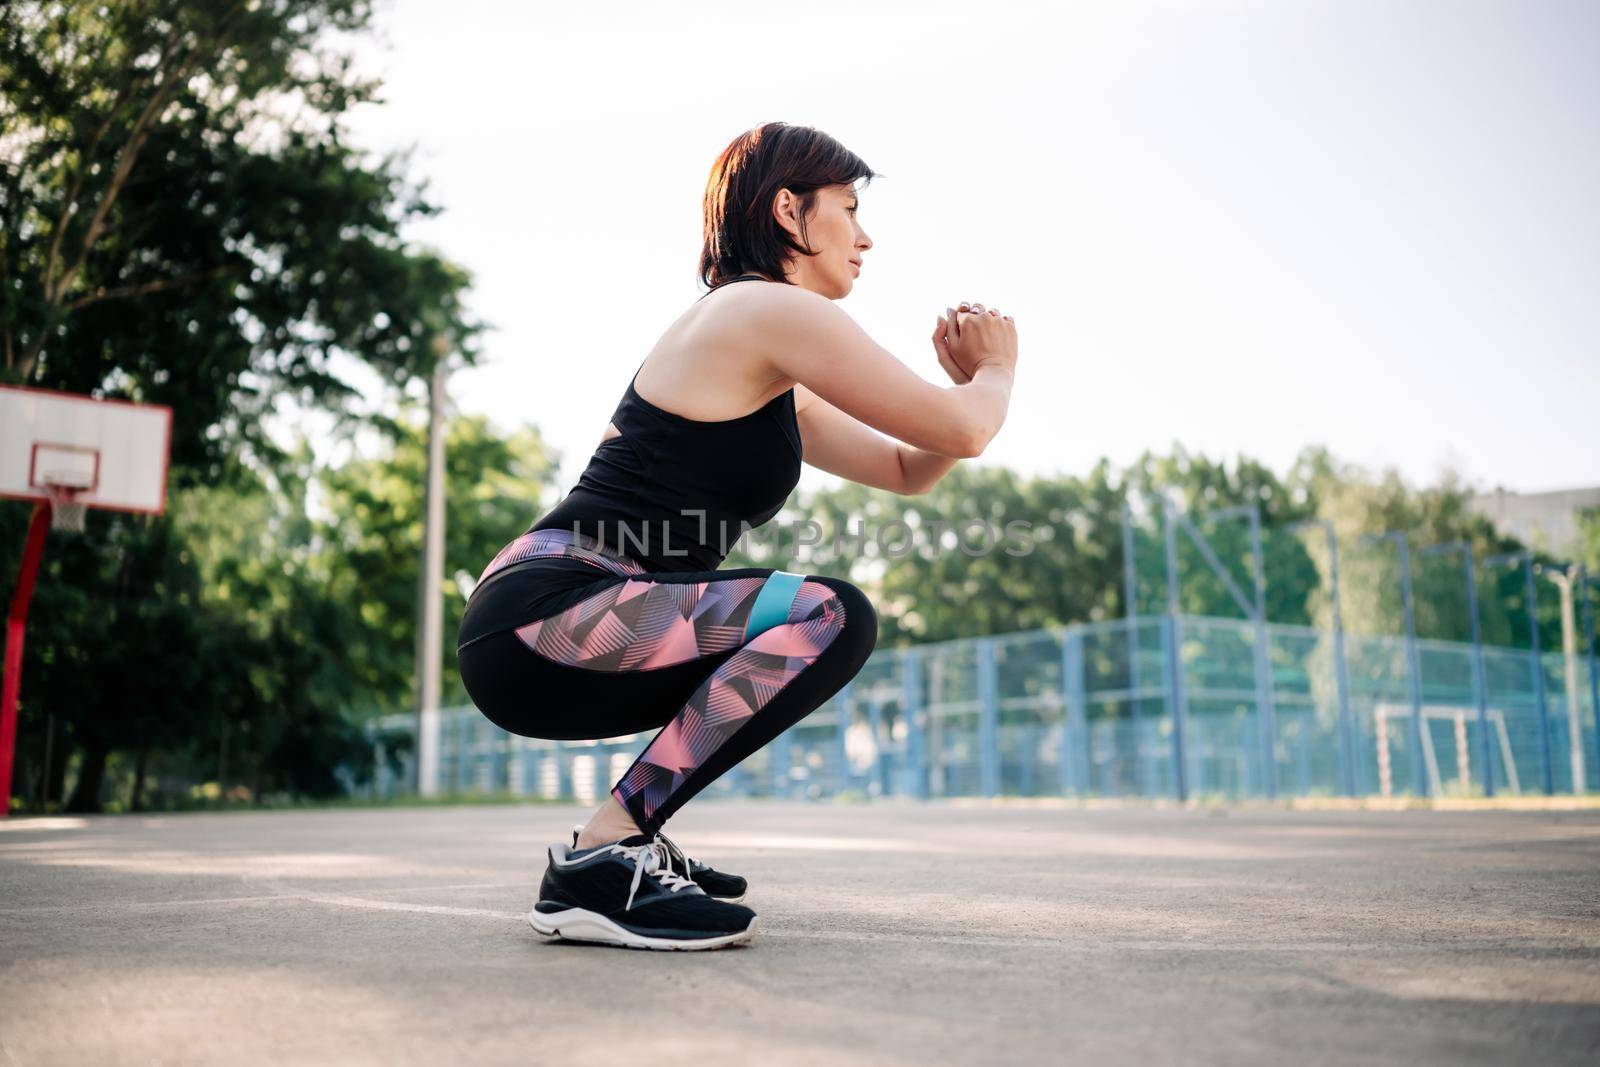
773	602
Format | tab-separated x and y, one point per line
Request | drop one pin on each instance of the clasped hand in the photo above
970	335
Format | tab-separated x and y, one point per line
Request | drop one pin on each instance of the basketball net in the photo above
67	512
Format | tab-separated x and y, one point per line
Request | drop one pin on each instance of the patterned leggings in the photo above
720	661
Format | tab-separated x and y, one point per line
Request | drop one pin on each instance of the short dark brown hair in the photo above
741	235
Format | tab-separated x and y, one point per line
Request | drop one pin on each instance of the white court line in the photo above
259	898
524	884
959	940
134	905
346	901
43	822
424	909
343	900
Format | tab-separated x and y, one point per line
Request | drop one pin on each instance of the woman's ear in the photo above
786	209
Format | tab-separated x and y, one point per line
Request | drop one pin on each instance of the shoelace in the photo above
648	859
672	849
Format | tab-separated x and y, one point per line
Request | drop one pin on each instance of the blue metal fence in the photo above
1152	706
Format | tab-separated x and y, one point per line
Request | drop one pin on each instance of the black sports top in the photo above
676	494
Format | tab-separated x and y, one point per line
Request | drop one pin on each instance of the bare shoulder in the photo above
773	321
713	362
770	301
760	306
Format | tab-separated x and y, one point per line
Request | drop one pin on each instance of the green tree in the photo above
1360	503
183	221
369	538
1589	540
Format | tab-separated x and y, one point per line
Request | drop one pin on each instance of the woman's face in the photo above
834	233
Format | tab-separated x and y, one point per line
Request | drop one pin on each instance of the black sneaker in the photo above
726	887
625	894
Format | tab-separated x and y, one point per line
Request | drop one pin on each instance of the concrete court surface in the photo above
891	933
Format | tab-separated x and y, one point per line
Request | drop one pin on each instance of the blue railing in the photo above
1112	709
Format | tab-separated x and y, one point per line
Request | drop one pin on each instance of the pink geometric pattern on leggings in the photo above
557	541
738	689
641	623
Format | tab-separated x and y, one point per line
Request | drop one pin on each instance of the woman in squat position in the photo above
610	615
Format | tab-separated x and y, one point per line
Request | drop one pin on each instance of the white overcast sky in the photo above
1245	227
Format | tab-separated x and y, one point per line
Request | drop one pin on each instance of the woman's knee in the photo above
836	615
859	635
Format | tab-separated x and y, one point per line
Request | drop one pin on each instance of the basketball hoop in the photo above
68	452
67	511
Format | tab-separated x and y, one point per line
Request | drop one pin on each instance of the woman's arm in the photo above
841	445
804	336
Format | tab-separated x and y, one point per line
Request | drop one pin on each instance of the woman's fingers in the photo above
976	308
941	348
952	368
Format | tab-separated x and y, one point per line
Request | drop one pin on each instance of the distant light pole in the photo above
1175	652
1568	578
430	646
1588	584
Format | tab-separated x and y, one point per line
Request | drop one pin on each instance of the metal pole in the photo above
843	700
16	623
1546	771
565	787
1266	714
1130	592
1419	782
988	720
464	778
499	780
1569	673
1594	666
1175	653
1480	680
430	658
782	755
911	708
1341	675
1075	729
880	765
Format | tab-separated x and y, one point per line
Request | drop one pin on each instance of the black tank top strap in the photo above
730	281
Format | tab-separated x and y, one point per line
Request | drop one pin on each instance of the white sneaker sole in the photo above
578	924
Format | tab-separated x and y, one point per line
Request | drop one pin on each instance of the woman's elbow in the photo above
969	442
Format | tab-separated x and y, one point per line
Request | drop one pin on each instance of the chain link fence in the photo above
1173	706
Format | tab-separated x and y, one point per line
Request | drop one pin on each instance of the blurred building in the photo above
1547	521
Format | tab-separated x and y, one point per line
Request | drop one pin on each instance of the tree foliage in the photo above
370	539
183	222
1075	571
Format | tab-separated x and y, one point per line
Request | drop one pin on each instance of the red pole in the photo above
15	624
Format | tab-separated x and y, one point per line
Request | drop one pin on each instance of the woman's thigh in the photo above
622	660
525	693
